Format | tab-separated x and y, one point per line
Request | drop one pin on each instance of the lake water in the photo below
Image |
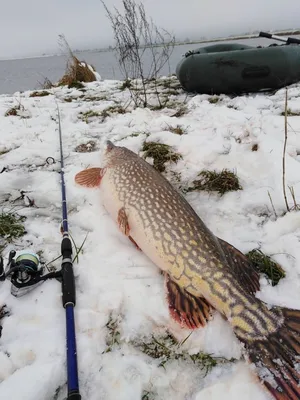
28	73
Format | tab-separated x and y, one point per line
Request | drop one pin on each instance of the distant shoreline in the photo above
180	43
220	39
248	36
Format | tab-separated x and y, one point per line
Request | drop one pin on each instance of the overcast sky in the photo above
32	27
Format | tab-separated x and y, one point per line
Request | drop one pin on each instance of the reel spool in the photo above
29	261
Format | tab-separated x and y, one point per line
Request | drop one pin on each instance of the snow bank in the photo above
112	277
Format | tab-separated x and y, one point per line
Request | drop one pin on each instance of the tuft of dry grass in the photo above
214	100
4	312
17	111
37	93
213	181
178	129
86	97
290	113
182	110
147	395
160	153
4	151
11	226
13	111
88	115
136	134
296	206
170	84
88	147
76	71
265	265
126	84
157	107
113	334
162	348
107	112
166	348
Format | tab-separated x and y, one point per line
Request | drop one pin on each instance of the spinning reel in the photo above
24	271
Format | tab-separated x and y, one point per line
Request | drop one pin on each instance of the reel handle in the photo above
12	253
10	258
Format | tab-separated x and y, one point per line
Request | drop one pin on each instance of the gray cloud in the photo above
32	27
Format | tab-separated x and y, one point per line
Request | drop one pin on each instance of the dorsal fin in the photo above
245	272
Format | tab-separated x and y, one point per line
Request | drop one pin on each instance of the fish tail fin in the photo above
277	356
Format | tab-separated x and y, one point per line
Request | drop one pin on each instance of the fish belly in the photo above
139	229
143	234
109	198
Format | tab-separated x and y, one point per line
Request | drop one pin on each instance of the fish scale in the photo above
202	272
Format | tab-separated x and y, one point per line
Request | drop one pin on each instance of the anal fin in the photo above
189	311
245	272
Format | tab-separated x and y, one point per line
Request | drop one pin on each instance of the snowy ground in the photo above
112	277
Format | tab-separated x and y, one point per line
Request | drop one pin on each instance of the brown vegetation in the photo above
76	70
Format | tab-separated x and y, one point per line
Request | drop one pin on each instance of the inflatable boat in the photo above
237	68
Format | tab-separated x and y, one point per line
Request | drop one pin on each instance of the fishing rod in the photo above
68	286
288	40
25	273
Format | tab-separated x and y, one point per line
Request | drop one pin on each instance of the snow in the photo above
112	277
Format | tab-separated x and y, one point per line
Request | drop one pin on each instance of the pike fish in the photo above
202	272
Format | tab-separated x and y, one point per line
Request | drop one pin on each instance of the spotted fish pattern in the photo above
202	272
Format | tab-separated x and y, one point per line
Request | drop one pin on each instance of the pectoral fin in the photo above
90	177
123	222
124	226
189	311
245	272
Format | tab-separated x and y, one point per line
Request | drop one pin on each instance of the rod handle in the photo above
74	396
68	284
68	281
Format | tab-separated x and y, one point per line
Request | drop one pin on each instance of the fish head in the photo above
117	155
114	157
